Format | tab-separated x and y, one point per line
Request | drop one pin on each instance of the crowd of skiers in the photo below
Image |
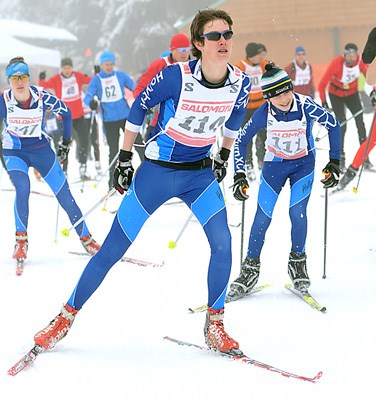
192	99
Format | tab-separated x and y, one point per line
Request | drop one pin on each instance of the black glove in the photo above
42	75
93	104
97	69
372	96
369	52
239	189
123	173
63	151
220	164
331	172
326	106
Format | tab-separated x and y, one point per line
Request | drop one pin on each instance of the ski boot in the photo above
216	337
57	329
297	269
89	244
367	164
83	174
349	175
20	251
251	175
21	246
249	275
98	168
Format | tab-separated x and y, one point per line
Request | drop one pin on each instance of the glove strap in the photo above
224	153
125	155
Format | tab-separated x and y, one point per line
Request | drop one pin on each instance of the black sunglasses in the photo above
215	36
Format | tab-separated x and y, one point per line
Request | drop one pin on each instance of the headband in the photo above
17	68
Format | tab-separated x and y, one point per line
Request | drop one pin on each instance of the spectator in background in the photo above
301	74
108	86
368	57
180	47
67	86
342	76
254	66
264	52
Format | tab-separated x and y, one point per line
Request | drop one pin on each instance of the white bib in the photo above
201	111
24	123
302	76
350	74
111	90
69	89
286	139
255	73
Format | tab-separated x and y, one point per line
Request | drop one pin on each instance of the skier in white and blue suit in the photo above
288	118
26	144
197	99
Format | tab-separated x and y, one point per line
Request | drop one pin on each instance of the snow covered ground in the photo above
116	350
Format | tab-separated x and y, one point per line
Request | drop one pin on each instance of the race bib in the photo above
24	123
69	89
287	139
111	90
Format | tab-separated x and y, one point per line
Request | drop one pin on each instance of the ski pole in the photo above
57	221
91	123
325	231
105	172
355	188
342	123
66	231
318	138
173	243
242	234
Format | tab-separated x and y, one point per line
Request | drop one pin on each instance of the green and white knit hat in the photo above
274	81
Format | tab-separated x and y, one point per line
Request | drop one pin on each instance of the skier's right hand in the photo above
240	186
123	173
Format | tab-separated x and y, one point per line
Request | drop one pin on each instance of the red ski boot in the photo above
57	329
216	337
90	245
20	251
21	246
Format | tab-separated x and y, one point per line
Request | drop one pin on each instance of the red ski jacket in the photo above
56	83
342	80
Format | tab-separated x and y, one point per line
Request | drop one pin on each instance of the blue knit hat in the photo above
299	49
106	56
274	82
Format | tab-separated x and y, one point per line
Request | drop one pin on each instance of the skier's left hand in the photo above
220	164
331	172
240	186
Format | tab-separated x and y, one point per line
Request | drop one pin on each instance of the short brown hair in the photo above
200	20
